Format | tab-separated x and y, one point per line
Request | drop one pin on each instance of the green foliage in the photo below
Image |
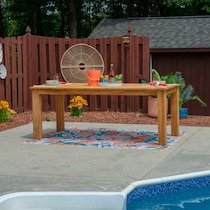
177	2
54	17
5	115
76	111
169	78
186	92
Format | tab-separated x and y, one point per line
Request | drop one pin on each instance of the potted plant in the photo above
76	105
186	93
152	100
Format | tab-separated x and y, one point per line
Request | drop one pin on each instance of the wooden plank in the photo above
135	71
175	113
26	71
94	99
13	48
37	114
8	86
103	51
2	81
114	61
60	112
51	56
35	59
61	50
129	69
20	79
51	59
43	61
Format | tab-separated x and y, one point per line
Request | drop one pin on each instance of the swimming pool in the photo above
189	193
186	191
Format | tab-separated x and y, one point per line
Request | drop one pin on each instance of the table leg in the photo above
175	113
60	112
162	118
37	114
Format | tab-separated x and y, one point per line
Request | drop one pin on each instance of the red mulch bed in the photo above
104	117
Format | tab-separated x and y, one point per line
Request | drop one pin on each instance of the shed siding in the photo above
195	68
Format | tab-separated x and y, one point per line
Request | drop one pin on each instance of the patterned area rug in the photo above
107	138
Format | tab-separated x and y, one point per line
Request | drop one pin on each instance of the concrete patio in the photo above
27	167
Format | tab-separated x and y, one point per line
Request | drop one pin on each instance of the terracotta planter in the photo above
153	107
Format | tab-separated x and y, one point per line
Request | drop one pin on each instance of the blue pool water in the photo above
189	194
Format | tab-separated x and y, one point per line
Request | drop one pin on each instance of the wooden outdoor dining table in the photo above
128	89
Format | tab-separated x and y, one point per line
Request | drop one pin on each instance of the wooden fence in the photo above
31	60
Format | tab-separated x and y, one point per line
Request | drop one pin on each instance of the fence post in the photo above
27	68
129	69
146	69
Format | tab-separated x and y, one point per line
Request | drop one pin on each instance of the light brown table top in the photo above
125	89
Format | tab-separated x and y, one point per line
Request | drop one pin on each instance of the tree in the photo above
1	23
41	15
72	8
77	18
186	7
61	8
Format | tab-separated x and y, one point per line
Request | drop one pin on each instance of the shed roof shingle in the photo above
164	32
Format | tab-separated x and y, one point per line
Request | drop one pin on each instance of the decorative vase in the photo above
76	111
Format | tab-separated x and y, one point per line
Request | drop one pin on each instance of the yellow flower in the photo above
76	105
4	105
5	111
77	102
12	111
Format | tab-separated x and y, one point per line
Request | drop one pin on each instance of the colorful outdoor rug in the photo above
107	138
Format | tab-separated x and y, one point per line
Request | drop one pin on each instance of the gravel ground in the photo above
104	117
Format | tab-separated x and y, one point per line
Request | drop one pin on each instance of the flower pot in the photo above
183	112
153	107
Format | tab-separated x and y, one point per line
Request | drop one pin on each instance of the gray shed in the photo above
176	44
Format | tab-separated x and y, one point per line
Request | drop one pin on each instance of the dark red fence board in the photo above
33	59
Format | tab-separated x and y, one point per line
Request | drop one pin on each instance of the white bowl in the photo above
52	82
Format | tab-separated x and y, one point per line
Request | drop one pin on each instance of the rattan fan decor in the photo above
77	60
